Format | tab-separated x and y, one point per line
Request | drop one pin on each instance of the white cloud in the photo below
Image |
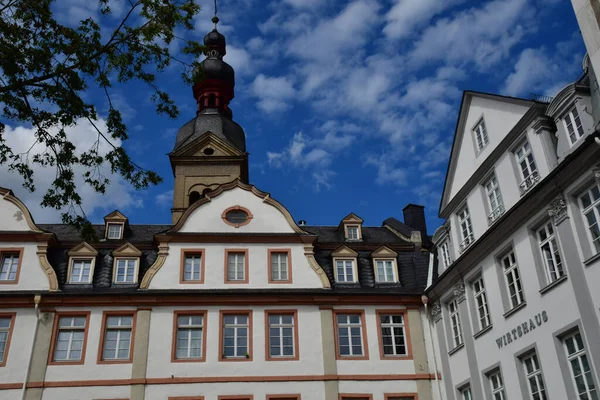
323	179
273	92
239	59
304	3
386	172
406	15
164	199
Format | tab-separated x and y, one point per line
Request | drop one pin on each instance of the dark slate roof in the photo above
133	233
210	120
406	230
370	235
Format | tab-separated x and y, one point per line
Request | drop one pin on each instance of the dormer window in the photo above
573	125
115	225
351	226
82	259
345	261
481	136
114	231
126	264
385	265
352	232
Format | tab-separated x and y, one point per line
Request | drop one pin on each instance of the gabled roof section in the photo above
127	250
460	129
115	216
351	219
384	251
83	249
344	251
191	147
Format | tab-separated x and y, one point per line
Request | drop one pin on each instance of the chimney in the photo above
414	216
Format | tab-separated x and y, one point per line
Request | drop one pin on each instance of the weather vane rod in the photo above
215	19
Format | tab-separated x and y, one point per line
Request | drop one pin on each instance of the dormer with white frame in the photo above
82	260
115	223
385	265
126	265
345	265
352	226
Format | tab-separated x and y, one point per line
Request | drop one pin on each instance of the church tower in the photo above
210	150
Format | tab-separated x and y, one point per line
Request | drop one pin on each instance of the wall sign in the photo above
522	329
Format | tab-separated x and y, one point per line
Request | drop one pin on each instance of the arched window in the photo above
205	192
212	100
194	197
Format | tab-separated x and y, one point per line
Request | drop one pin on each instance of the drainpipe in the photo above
36	299
425	300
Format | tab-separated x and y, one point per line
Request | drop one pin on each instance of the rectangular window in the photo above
535	380
393	334
550	253
282	335
527	167
126	270
236	266
70	332
280	266
455	323
466	229
465	393
6	327
193	266
385	270
513	281
349	334
352	232
481	136
483	311
11	263
445	252
497	386
581	373
345	271
492	190
573	125
114	231
117	337
590	204
236	336
189	337
81	270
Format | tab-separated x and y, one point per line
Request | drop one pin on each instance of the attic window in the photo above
208	151
352	232
481	136
114	231
237	216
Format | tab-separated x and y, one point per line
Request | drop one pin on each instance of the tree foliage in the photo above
46	68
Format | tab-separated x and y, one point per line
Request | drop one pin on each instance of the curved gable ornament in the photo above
23	212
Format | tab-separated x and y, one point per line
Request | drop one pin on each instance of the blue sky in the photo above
348	106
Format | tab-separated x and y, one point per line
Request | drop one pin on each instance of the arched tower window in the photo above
194	197
212	100
205	192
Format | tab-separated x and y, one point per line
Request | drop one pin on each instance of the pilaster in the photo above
329	360
140	353
419	353
39	358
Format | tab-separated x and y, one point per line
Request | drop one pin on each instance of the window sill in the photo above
592	259
457	348
514	309
552	285
483	331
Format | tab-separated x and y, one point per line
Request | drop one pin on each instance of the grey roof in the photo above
406	230
210	120
132	233
370	235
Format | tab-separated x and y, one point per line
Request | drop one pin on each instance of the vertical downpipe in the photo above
36	299
437	380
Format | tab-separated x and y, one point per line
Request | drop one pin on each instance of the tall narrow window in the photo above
69	345
573	125
466	229
189	344
126	270
236	341
513	281
581	373
527	167
193	264
497	386
535	380
550	253
483	311
282	340
590	203
494	197
81	270
465	393
9	270
116	340
280	266
236	266
481	136
350	335
6	325
345	271
457	337
393	335
445	252
385	270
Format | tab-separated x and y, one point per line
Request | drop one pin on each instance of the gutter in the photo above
37	299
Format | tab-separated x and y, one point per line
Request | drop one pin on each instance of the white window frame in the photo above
445	254
571	119
74	260
11	267
497	386
185	328
237	327
390	276
110	235
591	216
129	261
345	270
481	302
481	136
120	328
5	332
393	326
527	167
455	325
534	377
465	393
195	267
351	231
280	326
494	198
70	330
512	278
580	357
279	266
236	274
550	252
465	228
344	323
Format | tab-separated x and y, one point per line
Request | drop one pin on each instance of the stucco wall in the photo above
31	276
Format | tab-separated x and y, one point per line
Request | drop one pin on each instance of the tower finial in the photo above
215	19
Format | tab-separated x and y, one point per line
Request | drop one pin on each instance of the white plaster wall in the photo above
90	370
433	354
87	393
589	29
161	333
266	218
303	276
500	117
32	276
20	346
458	364
10	394
11	217
377	388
